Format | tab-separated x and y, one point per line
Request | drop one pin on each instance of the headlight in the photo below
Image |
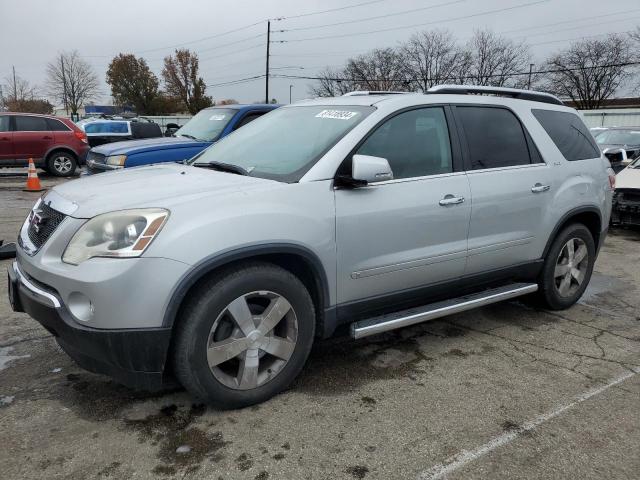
126	233
116	160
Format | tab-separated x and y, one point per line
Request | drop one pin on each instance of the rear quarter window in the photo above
569	134
57	125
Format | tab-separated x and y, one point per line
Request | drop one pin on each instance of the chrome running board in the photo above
404	318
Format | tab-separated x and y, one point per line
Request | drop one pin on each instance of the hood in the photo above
161	185
628	178
604	146
147	145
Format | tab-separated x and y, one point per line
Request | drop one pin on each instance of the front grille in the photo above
628	195
42	223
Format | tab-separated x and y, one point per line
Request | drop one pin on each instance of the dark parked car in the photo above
205	128
621	145
100	132
56	144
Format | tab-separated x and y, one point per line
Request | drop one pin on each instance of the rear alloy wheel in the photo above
244	335
567	267
61	164
571	267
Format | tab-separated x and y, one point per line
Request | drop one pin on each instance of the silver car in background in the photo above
372	211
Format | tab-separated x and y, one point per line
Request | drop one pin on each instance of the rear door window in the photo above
569	134
4	123
31	124
495	137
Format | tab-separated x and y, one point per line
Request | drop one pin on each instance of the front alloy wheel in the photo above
243	335
252	340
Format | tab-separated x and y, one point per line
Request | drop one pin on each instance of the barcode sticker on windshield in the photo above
217	117
337	114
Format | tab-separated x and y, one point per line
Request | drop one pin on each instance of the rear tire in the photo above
61	164
244	335
567	267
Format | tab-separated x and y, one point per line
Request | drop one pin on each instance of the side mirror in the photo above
619	154
366	169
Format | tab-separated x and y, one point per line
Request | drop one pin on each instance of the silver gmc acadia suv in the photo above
371	211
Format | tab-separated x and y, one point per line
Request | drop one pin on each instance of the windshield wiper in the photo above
223	167
188	136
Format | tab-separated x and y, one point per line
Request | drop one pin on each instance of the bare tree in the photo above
432	58
331	83
15	89
496	61
590	71
381	69
181	78
71	81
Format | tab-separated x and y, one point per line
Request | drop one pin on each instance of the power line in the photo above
466	77
232	53
577	28
571	21
328	11
236	82
203	39
231	43
489	12
372	18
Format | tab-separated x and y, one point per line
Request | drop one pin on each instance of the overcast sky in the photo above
33	32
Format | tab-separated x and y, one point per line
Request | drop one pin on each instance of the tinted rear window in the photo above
569	134
57	125
4	123
31	124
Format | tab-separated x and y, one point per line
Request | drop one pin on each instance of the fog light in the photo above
80	306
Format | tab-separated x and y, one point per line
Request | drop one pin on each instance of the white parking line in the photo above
461	459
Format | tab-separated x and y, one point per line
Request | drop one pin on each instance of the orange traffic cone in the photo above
33	182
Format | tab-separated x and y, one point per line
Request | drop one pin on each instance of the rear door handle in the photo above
451	200
5	139
539	188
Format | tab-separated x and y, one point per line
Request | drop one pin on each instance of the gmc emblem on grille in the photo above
38	220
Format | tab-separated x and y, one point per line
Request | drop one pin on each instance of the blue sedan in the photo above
205	128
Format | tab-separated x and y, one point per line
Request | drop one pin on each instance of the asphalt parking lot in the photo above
501	392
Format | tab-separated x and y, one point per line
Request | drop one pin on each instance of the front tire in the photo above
61	164
244	335
567	267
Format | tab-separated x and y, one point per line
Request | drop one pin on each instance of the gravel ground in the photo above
500	392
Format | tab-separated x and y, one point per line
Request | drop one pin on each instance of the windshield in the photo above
207	124
284	144
619	137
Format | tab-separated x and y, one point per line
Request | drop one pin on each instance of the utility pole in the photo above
530	72
266	77
15	85
64	86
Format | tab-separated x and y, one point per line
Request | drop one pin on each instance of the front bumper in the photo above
134	357
626	208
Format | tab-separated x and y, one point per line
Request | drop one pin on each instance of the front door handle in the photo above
539	188
47	138
4	139
451	200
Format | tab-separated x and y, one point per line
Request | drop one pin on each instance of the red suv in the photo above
56	144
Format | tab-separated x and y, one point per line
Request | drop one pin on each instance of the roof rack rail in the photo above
358	93
499	91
